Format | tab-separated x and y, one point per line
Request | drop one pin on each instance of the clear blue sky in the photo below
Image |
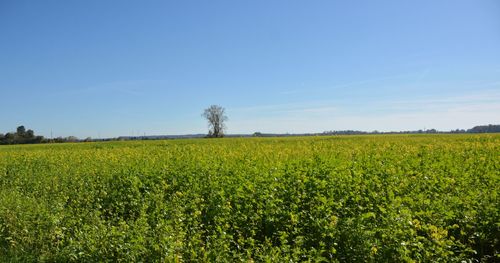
111	68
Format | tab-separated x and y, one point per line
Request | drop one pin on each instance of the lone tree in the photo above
216	117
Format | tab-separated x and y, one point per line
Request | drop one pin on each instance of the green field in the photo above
387	198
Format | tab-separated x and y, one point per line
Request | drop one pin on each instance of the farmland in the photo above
387	198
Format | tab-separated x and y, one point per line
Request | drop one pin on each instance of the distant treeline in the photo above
477	129
484	129
23	136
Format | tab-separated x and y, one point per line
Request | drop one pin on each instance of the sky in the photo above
115	68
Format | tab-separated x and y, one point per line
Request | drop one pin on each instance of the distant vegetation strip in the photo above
21	136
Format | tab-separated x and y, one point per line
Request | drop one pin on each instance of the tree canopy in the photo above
21	136
216	117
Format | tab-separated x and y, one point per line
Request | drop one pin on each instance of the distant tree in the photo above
38	139
10	138
30	134
21	130
216	117
257	134
71	139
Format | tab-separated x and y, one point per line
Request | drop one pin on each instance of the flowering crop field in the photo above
381	198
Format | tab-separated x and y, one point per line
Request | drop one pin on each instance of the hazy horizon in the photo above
116	68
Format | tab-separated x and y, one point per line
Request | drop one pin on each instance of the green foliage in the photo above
21	136
402	198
